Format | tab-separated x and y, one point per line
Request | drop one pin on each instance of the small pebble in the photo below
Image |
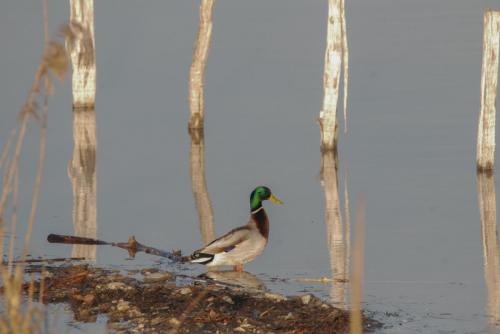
185	291
306	299
122	305
158	277
228	299
274	296
117	286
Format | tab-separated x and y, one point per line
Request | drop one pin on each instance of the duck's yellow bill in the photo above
275	199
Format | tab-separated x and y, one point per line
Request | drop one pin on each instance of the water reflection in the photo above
337	240
239	278
82	51
82	172
488	214
199	186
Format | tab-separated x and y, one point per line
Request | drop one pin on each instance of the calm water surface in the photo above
410	149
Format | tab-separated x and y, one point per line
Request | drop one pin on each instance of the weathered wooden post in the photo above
82	168
491	249
336	59
197	71
199	186
489	80
82	51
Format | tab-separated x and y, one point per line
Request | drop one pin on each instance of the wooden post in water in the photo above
336	59
489	80
82	167
334	227
82	172
199	186
197	70
491	249
82	51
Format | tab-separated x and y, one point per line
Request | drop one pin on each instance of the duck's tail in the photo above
202	258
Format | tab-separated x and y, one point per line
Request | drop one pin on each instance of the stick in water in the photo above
132	246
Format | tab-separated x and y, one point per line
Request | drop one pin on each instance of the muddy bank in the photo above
150	301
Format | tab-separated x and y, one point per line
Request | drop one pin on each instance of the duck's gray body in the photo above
239	246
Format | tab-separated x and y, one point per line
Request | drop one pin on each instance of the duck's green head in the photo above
261	194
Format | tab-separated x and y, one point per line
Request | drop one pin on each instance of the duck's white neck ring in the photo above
257	210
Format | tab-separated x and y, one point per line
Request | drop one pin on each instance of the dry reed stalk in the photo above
199	186
336	55
334	226
177	323
489	80
491	249
356	320
53	61
82	173
16	318
197	70
13	223
82	51
347	211
38	178
6	148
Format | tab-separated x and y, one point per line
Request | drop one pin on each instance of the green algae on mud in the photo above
156	304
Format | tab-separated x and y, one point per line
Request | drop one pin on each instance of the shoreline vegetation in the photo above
149	300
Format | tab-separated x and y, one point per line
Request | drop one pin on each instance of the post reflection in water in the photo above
336	239
199	185
239	278
488	214
82	167
82	172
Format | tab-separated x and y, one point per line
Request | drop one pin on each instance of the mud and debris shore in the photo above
150	301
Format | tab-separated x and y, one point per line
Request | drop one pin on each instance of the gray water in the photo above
410	147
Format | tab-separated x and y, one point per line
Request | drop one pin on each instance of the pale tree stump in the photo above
336	60
197	70
82	51
489	80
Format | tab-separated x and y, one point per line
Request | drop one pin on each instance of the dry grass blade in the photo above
16	316
356	321
177	323
6	148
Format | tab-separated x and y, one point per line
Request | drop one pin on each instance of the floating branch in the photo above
336	56
132	246
489	80
197	71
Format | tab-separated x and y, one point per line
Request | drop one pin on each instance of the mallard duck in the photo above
242	244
